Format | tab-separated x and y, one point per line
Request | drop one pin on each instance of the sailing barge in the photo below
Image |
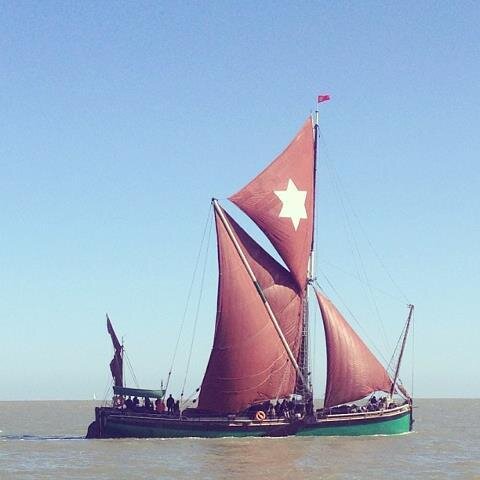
260	347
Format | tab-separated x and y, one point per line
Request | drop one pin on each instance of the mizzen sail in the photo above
280	200
248	362
116	365
353	372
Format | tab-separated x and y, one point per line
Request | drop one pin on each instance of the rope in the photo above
344	199
131	369
190	289
202	283
363	230
284	377
109	386
359	280
342	195
391	361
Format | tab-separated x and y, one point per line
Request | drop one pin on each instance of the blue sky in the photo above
120	120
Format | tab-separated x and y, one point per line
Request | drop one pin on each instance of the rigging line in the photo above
334	181
352	315
131	369
109	386
200	296
189	294
391	364
395	350
370	243
341	192
280	387
351	275
394	354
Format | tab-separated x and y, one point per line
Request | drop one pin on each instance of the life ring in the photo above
260	416
118	401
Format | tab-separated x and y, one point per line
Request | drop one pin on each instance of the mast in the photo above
404	341
304	357
268	308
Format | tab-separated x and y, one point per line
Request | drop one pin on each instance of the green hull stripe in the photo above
390	426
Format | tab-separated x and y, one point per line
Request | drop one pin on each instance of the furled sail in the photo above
116	365
248	362
353	372
280	200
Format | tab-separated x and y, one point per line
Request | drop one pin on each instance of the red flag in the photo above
323	98
280	201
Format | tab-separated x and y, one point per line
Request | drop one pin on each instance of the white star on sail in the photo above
293	203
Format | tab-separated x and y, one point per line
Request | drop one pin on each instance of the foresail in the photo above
248	362
116	365
353	372
280	200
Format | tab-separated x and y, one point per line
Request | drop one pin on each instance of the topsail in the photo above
280	201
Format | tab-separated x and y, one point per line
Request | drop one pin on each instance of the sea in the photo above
45	440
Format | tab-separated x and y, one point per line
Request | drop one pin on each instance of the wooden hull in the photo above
387	422
111	423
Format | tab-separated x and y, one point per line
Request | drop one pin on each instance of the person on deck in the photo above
309	406
278	409
159	405
170	404
128	403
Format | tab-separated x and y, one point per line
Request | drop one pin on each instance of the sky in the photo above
121	120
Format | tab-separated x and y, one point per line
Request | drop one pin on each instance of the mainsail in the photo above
116	365
353	372
277	285
248	362
280	200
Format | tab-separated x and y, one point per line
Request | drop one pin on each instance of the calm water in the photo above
43	440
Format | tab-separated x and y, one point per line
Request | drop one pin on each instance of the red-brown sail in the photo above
116	365
280	201
248	362
277	285
353	372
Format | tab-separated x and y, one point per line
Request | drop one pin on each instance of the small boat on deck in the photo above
260	350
